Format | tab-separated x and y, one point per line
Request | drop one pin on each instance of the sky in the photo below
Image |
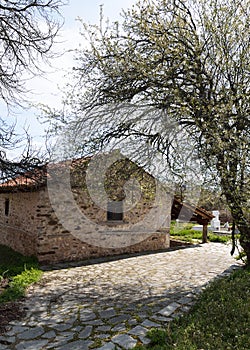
47	89
71	39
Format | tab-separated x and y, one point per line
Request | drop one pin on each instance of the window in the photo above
115	211
7	207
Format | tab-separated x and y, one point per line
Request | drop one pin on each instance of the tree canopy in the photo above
183	61
27	32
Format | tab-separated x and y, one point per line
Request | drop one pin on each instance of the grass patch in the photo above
219	319
13	263
186	234
19	271
212	237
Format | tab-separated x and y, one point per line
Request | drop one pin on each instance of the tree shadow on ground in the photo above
58	266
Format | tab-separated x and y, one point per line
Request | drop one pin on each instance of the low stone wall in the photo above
68	248
21	241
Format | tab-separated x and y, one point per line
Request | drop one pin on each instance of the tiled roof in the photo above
37	178
193	212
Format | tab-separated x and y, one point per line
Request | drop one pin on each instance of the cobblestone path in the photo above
111	305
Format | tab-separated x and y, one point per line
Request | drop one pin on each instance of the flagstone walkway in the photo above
111	305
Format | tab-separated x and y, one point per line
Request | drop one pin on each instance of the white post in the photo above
215	223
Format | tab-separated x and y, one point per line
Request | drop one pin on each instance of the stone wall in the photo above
18	229
75	237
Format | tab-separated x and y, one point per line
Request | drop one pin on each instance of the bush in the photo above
19	283
20	271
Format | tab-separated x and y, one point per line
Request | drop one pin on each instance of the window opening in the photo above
7	207
115	211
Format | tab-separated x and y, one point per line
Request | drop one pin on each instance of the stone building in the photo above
65	212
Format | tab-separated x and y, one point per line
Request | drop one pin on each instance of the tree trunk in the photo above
236	203
245	240
242	224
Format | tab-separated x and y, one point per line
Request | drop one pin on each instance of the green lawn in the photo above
18	271
219	320
187	234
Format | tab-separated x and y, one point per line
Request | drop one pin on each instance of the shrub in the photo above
20	271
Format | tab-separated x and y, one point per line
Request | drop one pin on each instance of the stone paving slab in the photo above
170	309
124	341
111	305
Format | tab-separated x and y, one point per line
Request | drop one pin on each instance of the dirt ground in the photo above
8	311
